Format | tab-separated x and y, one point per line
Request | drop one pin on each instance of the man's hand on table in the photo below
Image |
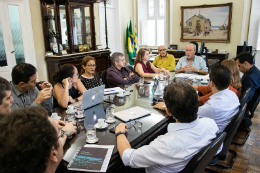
122	127
70	127
160	105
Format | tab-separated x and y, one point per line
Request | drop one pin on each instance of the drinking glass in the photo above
188	69
91	133
161	75
110	115
141	81
127	90
141	90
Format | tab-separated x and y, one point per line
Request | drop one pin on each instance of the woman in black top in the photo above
69	88
88	76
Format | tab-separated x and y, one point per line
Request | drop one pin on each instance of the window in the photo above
153	24
190	23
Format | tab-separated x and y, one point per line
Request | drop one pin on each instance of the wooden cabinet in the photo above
54	62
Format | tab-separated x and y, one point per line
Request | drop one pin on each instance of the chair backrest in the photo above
197	46
251	106
130	67
244	96
104	78
231	129
200	160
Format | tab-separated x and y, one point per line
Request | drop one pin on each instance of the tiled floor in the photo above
248	155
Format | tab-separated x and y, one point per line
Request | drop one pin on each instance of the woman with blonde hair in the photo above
235	83
88	77
143	66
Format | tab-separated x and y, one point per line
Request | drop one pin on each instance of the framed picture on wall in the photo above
207	23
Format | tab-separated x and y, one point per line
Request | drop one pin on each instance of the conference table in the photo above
154	125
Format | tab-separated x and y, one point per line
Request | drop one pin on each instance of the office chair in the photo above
199	161
230	130
104	78
243	99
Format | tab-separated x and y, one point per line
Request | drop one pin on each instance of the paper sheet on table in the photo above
112	90
192	76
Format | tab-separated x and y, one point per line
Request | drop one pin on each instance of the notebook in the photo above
132	113
91	158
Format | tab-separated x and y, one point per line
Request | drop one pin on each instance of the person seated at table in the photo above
191	62
143	66
164	60
172	151
250	79
224	103
5	98
88	77
31	142
69	88
118	74
24	90
235	83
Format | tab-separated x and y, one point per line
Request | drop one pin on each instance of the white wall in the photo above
253	29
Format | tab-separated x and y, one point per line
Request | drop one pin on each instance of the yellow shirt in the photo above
168	64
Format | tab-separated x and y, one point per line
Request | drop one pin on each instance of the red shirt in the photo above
146	68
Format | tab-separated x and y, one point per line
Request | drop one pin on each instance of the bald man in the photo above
164	60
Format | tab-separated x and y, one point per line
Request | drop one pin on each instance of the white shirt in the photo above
173	151
221	107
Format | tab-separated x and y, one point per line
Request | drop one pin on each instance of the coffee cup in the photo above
101	122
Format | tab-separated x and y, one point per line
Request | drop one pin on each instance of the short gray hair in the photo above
115	57
192	45
162	45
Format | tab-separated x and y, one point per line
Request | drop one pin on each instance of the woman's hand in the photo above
65	82
71	100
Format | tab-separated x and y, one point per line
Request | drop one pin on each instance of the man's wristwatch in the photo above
198	70
119	133
67	133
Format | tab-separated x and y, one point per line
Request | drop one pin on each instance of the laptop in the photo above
93	114
132	113
92	97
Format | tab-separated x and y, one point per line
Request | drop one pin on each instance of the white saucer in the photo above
70	112
110	122
102	127
92	141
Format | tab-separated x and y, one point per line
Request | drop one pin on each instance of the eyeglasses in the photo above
135	124
76	75
162	50
94	66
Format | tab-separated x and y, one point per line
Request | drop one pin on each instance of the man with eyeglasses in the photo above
164	60
24	90
118	74
191	63
30	141
172	151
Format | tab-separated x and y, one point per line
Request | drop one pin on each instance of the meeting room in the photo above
129	86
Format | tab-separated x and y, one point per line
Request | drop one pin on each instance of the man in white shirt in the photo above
224	103
171	152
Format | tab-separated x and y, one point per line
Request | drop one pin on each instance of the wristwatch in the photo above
119	133
67	133
198	70
76	99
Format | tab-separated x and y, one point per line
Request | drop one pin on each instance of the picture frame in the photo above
81	48
207	23
86	47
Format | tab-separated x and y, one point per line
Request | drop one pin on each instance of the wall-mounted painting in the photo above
208	23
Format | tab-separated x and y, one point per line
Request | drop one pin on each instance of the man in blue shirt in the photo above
224	103
191	62
251	77
172	151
